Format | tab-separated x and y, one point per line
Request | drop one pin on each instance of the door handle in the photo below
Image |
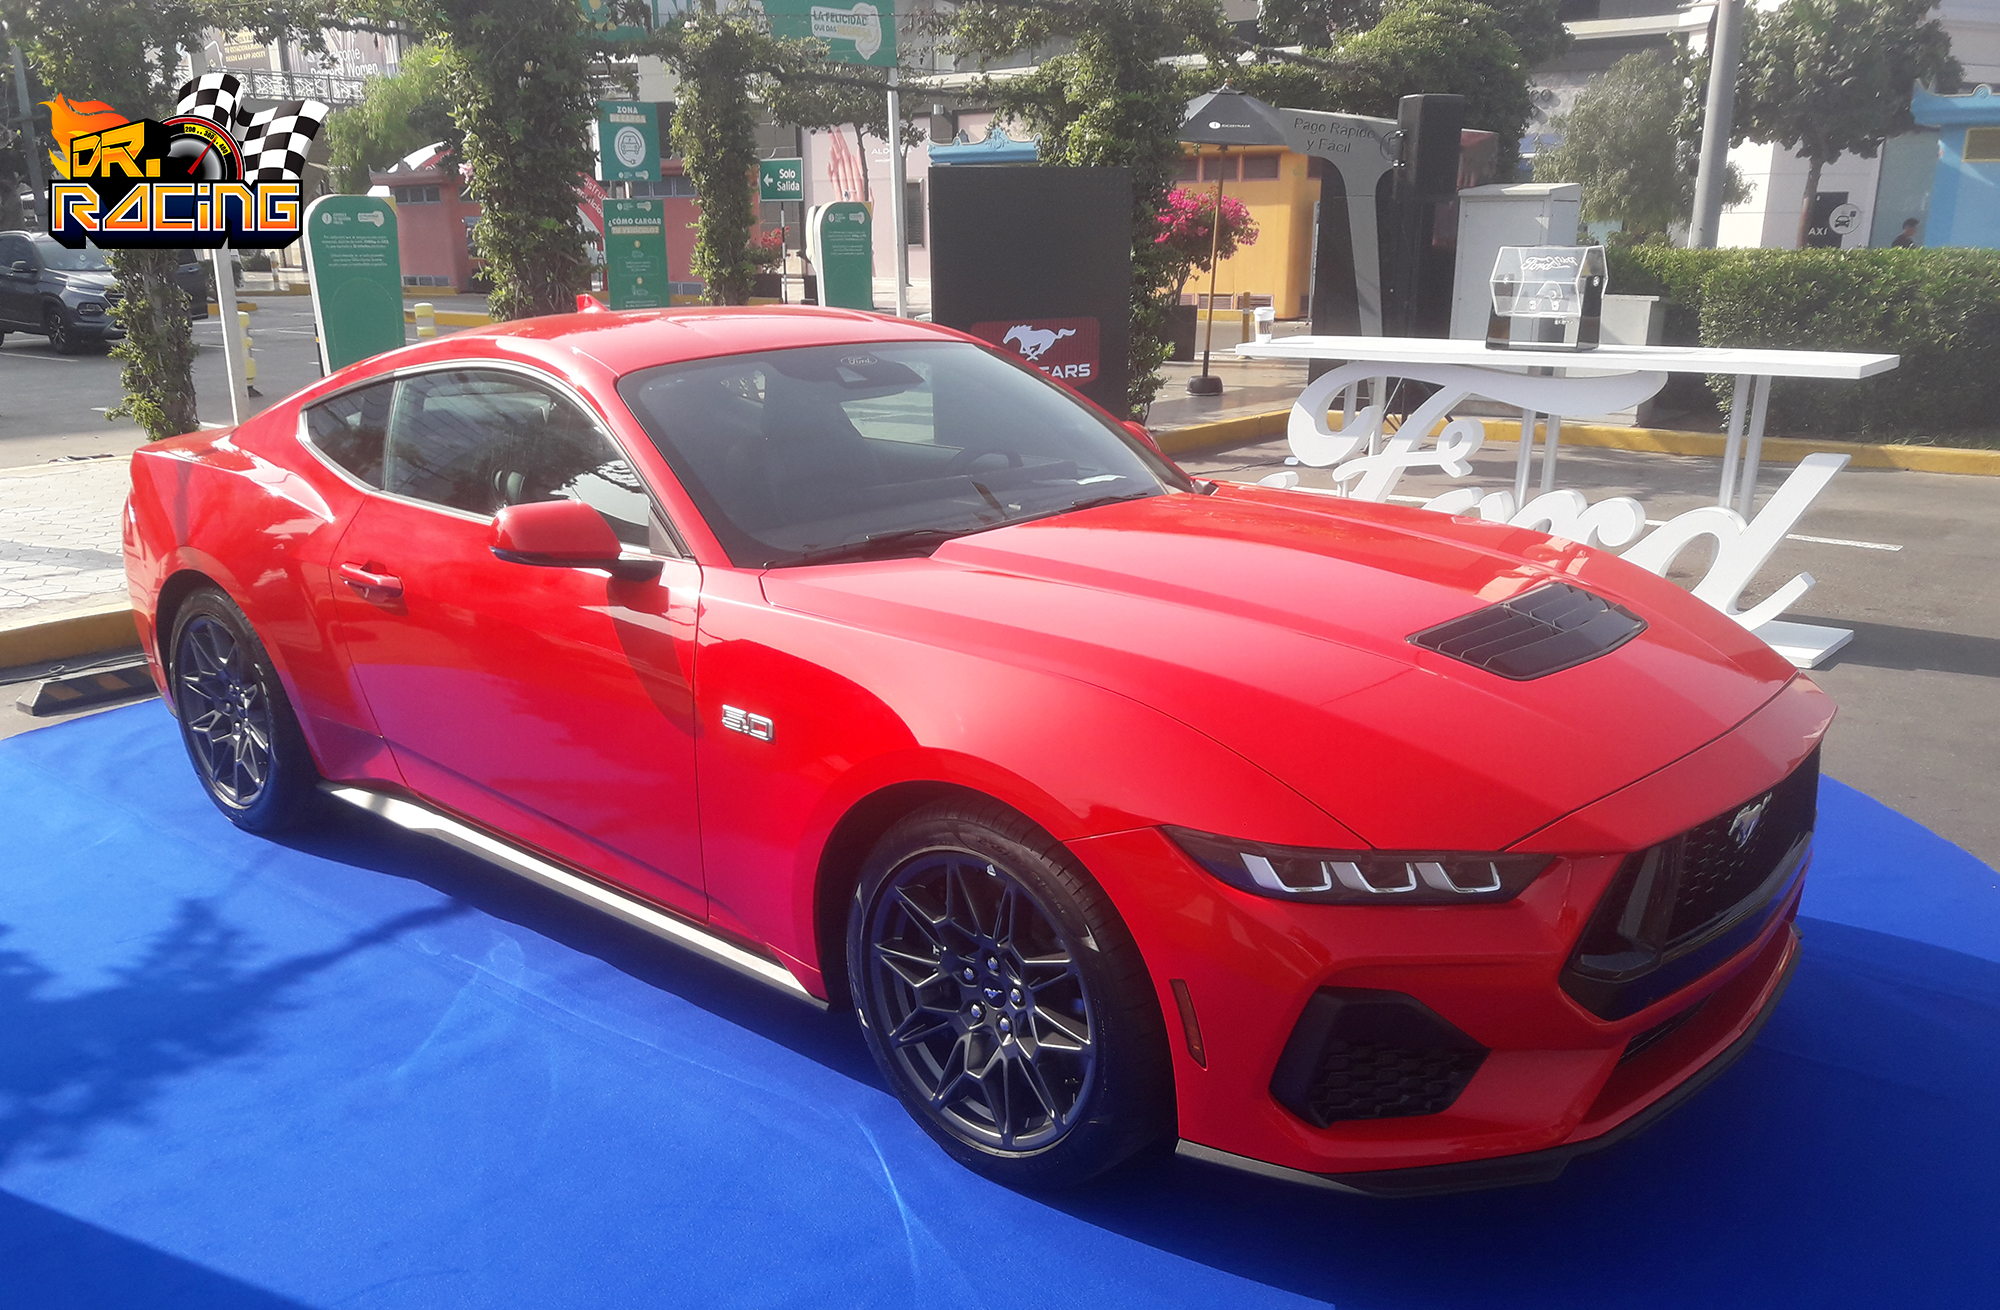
363	581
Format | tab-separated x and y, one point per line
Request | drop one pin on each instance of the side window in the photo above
11	249
478	441
351	429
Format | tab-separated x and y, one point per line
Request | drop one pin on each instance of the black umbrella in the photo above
1230	118
1224	118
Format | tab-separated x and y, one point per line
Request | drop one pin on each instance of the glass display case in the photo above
1547	288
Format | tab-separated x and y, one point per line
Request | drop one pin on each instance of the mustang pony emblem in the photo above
1744	826
1035	342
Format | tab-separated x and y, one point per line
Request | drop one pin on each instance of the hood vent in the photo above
1537	633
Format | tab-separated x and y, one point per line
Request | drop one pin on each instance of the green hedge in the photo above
1938	309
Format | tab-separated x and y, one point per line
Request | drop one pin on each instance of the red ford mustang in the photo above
1351	843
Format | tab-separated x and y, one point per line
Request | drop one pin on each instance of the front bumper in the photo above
1556	1080
1544	1165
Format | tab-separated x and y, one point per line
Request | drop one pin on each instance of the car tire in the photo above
1004	999
60	331
236	721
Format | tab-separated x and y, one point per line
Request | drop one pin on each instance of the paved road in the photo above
52	406
1919	688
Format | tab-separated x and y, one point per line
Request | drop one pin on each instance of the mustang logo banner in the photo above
211	175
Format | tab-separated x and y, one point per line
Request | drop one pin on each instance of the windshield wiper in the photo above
879	542
1095	501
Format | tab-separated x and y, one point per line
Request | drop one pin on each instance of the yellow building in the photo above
1279	188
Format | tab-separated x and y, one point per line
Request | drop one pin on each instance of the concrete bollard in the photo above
249	355
426	319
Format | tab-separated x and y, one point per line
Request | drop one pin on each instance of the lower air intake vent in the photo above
1537	633
1363	1054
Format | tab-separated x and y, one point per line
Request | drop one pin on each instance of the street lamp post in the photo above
1205	383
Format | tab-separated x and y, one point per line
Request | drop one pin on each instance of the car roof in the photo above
624	341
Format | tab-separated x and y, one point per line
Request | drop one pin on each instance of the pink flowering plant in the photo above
1187	229
766	249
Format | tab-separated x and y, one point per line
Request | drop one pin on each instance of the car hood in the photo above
1276	623
83	283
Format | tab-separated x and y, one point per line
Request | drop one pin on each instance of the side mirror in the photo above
565	534
1138	430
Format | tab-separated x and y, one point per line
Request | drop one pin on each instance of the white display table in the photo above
1583	382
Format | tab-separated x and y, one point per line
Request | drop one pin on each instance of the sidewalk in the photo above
62	567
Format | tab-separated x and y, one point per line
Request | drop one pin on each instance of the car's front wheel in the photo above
236	721
1005	1000
59	330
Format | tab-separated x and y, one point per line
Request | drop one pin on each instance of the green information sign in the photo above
860	33
635	254
356	274
781	179
842	248
628	142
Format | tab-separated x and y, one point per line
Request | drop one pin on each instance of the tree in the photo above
1449	47
124	53
732	68
1106	101
1187	233
1622	144
1315	24
1454	47
1825	78
396	115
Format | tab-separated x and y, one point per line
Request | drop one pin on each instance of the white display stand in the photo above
1370	459
1555	394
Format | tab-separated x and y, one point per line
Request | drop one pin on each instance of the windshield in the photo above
87	260
825	452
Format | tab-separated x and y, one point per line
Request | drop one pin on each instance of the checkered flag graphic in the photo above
277	140
218	97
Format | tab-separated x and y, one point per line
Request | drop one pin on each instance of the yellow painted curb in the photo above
1784	450
1223	432
453	318
1866	455
86	632
243	306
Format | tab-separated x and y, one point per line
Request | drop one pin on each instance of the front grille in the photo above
1678	909
1363	1054
1537	633
1717	872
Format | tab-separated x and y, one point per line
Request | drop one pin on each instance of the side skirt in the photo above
621	905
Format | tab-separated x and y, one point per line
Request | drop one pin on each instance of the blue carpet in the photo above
360	1070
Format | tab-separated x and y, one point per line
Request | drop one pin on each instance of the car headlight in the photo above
90	308
1292	873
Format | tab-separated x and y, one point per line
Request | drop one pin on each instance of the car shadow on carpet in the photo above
1849	1159
50	1261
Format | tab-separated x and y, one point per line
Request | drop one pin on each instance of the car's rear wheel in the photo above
236	721
1004	999
60	332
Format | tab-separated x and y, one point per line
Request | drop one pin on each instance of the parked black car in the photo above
66	295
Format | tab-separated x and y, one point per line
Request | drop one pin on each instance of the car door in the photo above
551	704
17	290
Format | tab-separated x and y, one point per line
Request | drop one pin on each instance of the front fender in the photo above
854	712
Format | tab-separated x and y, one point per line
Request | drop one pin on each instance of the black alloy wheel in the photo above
238	727
60	332
1005	1001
